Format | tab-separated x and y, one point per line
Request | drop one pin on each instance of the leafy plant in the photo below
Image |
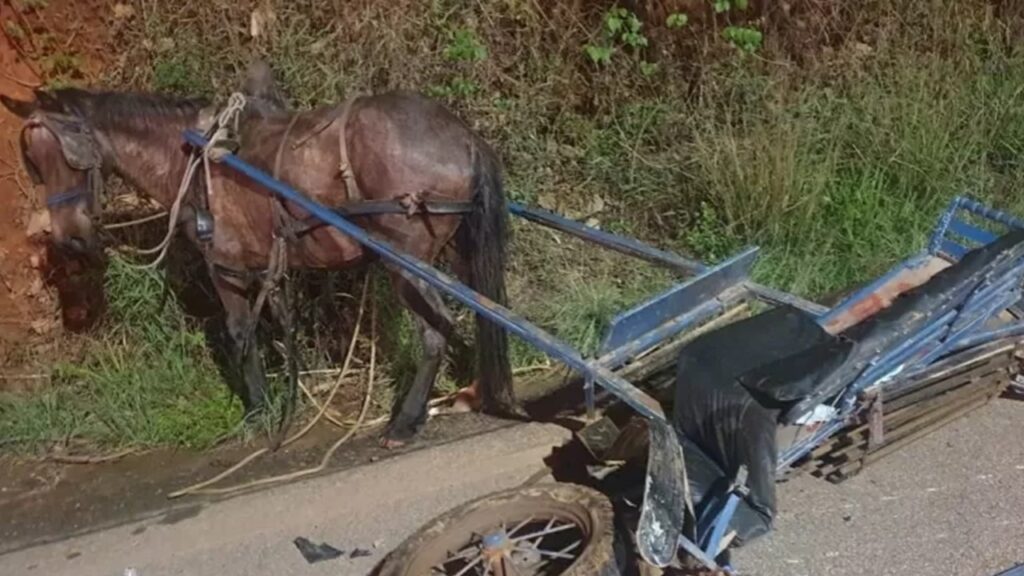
677	20
708	235
464	46
721	6
599	54
744	38
620	27
457	87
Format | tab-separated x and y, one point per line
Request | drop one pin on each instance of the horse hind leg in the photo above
434	322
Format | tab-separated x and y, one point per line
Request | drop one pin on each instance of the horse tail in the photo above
482	243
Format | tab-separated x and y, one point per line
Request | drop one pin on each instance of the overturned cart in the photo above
792	388
796	386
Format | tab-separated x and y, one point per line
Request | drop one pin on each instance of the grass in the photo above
832	143
148	380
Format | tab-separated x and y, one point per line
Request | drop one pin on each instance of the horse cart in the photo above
745	385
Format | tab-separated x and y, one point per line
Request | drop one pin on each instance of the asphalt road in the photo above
252	535
951	504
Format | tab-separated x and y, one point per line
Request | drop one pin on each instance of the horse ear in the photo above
20	108
260	83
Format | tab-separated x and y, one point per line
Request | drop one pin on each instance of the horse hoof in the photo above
388	443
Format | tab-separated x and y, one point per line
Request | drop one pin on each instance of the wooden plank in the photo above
913	432
851	446
892	419
895	404
914	411
921	433
952	405
950	367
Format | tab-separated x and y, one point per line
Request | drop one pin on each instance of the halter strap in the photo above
70	195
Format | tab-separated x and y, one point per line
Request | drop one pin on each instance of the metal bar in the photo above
619	356
635	248
627	326
721	524
952	249
935	243
973	207
628	246
973	233
1015	571
979	209
1011	331
480	304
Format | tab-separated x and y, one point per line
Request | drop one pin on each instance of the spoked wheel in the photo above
559	529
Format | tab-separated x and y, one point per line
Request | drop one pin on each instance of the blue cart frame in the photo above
706	293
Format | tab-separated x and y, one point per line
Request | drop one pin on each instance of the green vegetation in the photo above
833	141
148	380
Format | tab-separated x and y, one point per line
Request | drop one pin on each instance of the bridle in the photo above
73	194
81	150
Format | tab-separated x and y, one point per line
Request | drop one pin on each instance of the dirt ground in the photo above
41	292
25	306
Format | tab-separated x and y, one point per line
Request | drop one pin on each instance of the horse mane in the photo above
109	109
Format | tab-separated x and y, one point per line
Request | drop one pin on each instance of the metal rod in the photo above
480	304
638	249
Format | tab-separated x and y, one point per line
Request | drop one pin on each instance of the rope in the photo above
201	487
136	222
326	459
217	147
172	221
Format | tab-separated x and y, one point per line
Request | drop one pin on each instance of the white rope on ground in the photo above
326	459
201	487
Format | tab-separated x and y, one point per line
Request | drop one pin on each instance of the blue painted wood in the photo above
680	299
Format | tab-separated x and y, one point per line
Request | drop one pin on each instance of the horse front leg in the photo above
245	354
434	321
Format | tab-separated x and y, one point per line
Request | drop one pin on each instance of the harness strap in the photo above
284	222
377	207
351	187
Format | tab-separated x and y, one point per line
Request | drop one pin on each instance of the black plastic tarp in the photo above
727	424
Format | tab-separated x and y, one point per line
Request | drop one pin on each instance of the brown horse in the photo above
396	146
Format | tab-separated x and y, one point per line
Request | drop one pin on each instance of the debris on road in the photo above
314	553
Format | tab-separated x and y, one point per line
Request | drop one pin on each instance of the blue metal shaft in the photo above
477	302
633	247
623	244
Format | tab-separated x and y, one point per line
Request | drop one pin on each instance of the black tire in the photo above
590	510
